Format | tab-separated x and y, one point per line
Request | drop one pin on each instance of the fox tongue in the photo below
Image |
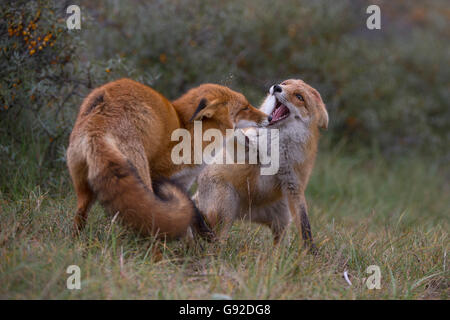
279	112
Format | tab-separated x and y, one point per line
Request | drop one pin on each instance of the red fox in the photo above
228	192
120	152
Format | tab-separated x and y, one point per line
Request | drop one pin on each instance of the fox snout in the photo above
251	117
275	88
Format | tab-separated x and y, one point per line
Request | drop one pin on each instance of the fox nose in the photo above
277	88
269	118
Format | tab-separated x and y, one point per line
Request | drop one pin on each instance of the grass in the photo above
364	210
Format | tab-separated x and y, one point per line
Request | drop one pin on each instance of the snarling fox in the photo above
238	191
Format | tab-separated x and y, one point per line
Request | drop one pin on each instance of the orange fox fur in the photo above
120	152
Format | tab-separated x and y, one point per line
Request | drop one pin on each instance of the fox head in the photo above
228	107
294	100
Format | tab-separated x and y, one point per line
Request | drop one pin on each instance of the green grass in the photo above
364	211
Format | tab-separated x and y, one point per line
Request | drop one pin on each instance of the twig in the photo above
346	278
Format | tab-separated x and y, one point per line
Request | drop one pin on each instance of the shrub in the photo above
386	88
43	78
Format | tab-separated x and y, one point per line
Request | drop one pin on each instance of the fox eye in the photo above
245	109
300	97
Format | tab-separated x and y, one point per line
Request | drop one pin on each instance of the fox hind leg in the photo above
279	229
220	203
85	196
277	217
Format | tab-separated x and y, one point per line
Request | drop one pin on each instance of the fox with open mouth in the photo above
229	192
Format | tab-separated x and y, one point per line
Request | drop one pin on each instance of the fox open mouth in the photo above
279	113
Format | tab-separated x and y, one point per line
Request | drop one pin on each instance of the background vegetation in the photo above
378	195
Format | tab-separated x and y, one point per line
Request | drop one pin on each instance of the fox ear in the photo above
323	116
322	120
205	109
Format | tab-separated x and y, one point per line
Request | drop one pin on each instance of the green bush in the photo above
43	78
38	68
385	88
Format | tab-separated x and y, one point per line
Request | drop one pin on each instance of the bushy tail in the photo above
118	186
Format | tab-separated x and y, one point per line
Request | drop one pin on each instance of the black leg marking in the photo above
306	230
201	227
